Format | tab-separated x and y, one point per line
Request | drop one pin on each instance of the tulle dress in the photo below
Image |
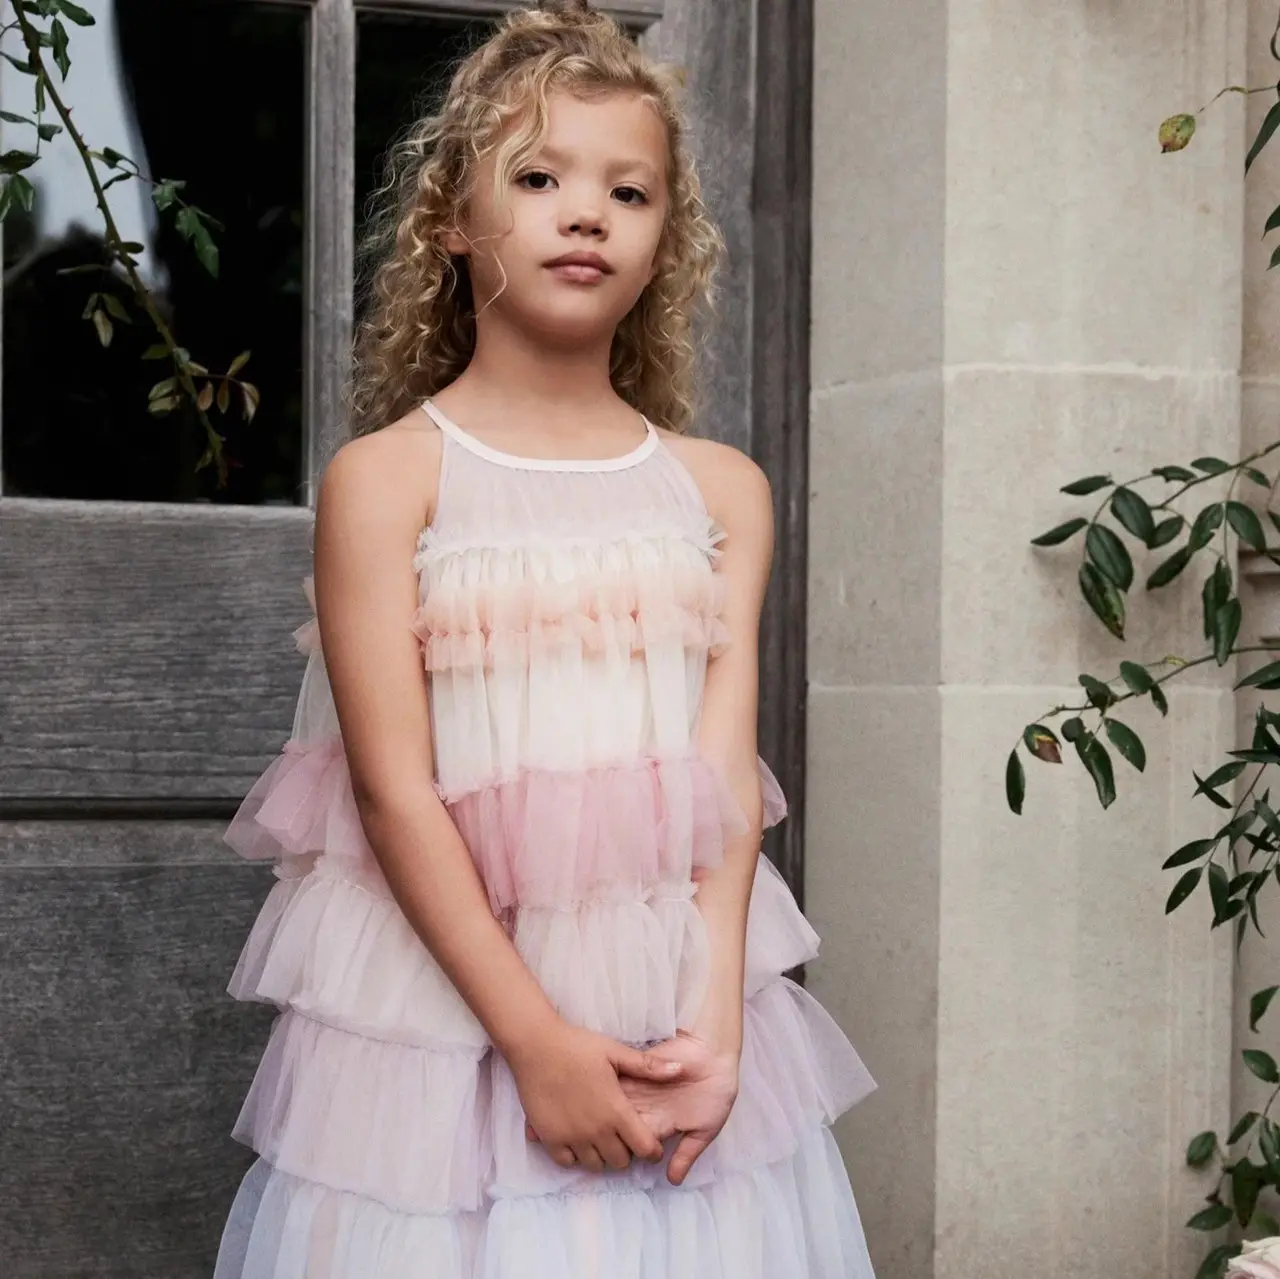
567	611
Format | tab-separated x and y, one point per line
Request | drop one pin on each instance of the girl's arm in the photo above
368	516
741	502
698	1104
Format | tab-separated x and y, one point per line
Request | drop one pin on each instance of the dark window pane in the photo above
402	69
211	92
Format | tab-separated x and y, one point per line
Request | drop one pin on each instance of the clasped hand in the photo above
593	1102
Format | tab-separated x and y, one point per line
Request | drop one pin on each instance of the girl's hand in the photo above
569	1086
696	1103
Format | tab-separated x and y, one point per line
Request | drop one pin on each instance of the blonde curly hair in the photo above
418	330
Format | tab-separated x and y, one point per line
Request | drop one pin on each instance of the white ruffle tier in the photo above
795	1219
331	942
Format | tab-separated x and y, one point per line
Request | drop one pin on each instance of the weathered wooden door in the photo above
146	669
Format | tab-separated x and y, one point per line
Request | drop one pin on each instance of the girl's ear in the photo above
456	244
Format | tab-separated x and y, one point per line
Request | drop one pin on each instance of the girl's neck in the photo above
512	366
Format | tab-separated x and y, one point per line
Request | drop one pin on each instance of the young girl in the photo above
529	1028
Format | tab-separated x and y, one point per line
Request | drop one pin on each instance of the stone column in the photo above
1012	289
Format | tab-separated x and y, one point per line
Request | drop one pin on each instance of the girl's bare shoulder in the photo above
397	467
733	486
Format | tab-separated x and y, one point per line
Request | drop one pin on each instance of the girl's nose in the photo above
585	217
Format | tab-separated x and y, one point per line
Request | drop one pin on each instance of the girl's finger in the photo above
614	1152
690	1146
589	1157
643	1065
639	1136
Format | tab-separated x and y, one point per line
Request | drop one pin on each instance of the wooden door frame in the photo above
782	254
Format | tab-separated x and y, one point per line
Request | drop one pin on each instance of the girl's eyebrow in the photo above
630	164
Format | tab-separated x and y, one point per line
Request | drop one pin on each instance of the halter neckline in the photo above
519	462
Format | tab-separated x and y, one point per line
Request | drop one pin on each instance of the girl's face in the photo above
567	249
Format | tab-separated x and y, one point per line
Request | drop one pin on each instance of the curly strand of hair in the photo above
417	330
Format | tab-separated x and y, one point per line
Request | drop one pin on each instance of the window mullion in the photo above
331	109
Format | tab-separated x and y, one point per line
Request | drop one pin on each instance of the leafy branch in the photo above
189	382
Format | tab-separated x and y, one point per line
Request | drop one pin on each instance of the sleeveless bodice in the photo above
567	610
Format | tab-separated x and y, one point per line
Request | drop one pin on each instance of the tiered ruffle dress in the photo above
567	611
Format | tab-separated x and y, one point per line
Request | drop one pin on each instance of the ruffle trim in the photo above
543	838
334	945
552	838
795	1217
465	626
425	1131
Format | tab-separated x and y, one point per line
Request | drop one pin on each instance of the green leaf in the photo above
1269	1144
1218	889
1269	126
157	352
1243	1124
1109	553
116	308
11	118
1252	472
1214	594
1211	465
1090	484
1246	523
1245	1184
1170	569
1040	740
1093	755
1015	783
1174	474
1226	628
47	132
1137	677
1056	536
103	325
1099	694
1073	729
1258	1006
1212	1218
60	58
1166	531
1103	598
1128	743
21	191
165	194
74	13
1159	701
1201	1148
1214	1266
1183	889
1206	525
1191	852
1134	514
1267	676
1204	789
1262	1064
1220	776
1272	222
192	228
1275	258
16	161
19	64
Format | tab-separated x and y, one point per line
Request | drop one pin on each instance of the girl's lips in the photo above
577	272
581	268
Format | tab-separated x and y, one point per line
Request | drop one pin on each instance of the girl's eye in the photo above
630	195
536	180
